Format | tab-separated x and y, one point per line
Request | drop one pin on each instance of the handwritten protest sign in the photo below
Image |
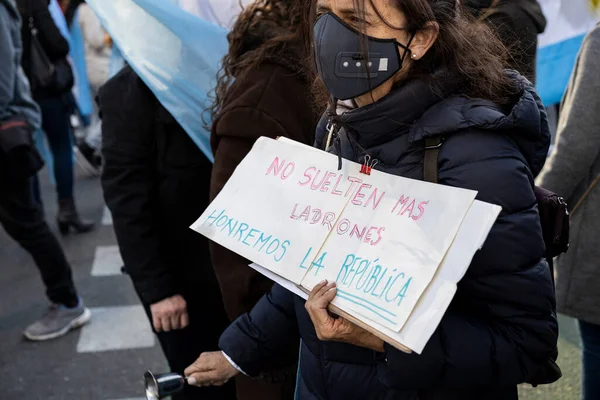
382	279
380	236
436	299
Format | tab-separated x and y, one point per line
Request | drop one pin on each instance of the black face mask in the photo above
346	70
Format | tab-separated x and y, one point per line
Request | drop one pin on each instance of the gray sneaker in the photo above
58	321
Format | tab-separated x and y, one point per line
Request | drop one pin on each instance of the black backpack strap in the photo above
430	162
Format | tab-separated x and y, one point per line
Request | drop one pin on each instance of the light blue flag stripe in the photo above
59	19
555	65
175	53
82	91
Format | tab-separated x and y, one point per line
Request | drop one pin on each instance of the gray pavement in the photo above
115	349
56	370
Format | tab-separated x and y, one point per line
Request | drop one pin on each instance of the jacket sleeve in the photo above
266	338
501	328
53	42
241	286
129	180
578	139
9	68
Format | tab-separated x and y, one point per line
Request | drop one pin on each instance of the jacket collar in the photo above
418	111
397	113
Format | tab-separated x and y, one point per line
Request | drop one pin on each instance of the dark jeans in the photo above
23	219
590	338
183	347
56	125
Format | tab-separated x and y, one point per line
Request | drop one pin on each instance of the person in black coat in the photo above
518	24
156	183
56	109
501	328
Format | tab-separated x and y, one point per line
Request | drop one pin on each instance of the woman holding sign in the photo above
417	74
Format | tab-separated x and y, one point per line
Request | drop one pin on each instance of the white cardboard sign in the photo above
380	236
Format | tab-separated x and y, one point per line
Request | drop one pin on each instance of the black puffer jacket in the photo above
501	329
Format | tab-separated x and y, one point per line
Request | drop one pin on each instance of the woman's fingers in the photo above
199	366
185	320
198	379
166	324
319	290
156	322
210	369
325	296
321	296
208	378
319	306
316	289
175	321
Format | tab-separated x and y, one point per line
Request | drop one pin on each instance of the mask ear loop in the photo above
406	48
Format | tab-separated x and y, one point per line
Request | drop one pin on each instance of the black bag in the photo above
554	214
54	77
19	158
41	70
554	218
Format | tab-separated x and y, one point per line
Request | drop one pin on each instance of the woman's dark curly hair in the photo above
286	19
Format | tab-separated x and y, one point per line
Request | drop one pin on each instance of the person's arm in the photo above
266	338
52	40
241	286
8	68
257	342
129	180
91	28
578	138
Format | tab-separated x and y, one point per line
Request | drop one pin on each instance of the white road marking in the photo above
137	398
107	261
107	217
116	328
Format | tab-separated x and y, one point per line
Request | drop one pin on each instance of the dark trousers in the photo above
590	338
57	127
183	347
23	219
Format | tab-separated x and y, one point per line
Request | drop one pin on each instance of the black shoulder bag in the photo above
554	214
554	218
54	77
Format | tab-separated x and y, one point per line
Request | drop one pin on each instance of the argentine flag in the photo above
175	53
568	23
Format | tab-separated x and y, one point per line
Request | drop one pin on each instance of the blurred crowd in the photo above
228	329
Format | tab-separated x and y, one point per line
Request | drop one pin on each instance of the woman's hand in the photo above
210	369
336	329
